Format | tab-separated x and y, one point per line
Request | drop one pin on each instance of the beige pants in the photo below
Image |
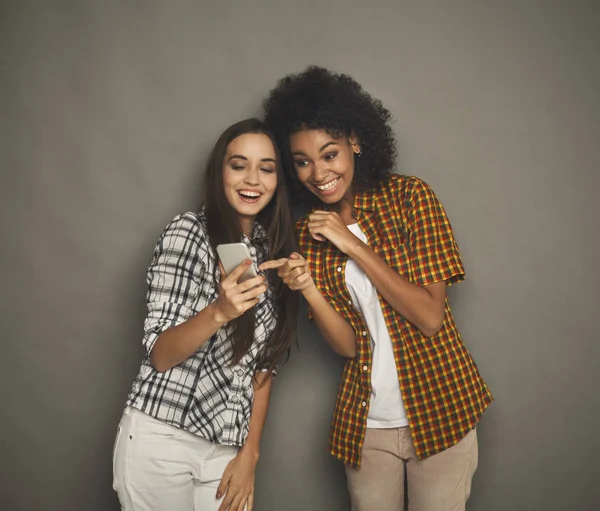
441	482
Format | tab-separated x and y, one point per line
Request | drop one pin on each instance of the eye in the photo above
301	163
330	156
237	166
268	170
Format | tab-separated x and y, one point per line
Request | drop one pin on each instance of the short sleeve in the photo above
174	277
434	254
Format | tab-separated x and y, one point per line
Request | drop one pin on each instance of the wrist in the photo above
250	452
217	315
355	248
310	292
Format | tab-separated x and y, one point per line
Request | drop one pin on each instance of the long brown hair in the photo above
224	227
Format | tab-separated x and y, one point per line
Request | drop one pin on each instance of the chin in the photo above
250	211
329	199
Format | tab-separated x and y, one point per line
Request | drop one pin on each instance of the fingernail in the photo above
218	494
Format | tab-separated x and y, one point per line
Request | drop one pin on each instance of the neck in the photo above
247	225
345	209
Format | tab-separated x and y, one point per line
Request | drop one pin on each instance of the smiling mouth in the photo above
328	187
249	196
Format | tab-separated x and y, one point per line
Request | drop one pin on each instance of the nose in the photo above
320	172
252	176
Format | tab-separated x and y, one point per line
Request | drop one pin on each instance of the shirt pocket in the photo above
396	254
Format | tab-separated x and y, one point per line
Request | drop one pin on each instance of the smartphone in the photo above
234	254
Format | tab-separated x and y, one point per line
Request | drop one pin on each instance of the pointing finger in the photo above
274	263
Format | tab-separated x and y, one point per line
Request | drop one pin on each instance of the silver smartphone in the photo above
234	254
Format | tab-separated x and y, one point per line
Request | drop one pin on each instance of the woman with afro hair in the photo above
376	255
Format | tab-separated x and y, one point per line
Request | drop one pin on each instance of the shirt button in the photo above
240	373
365	368
339	269
234	399
364	403
349	302
364	332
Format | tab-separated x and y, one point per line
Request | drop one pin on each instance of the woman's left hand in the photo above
237	483
329	225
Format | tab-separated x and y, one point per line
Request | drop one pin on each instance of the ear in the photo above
354	143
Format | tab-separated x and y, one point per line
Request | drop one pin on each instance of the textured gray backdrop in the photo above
107	109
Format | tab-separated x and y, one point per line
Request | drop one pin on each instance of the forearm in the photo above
421	306
333	327
178	343
260	407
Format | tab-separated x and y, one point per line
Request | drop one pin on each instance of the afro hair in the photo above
319	99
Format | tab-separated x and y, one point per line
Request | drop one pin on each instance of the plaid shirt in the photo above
444	395
204	394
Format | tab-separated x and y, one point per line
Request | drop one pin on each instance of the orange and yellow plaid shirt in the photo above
444	395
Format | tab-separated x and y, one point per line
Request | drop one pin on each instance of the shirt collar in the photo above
363	201
259	234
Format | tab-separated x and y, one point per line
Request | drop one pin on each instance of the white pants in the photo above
157	467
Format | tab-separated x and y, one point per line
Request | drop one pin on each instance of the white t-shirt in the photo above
386	409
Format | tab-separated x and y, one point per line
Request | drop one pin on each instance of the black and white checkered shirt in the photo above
205	394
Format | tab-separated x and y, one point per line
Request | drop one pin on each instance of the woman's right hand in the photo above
236	298
335	329
293	271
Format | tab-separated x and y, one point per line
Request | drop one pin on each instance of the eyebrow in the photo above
242	157
321	149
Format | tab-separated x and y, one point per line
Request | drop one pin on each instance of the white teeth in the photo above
329	186
246	193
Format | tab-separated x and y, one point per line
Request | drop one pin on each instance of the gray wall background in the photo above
108	109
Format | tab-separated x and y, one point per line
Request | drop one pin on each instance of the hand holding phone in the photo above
232	255
242	291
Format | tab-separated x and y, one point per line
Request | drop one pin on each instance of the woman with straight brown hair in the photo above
190	433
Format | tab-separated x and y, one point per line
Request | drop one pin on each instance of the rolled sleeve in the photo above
264	368
173	277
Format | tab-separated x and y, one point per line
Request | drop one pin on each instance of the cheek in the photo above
346	167
271	183
303	174
227	179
